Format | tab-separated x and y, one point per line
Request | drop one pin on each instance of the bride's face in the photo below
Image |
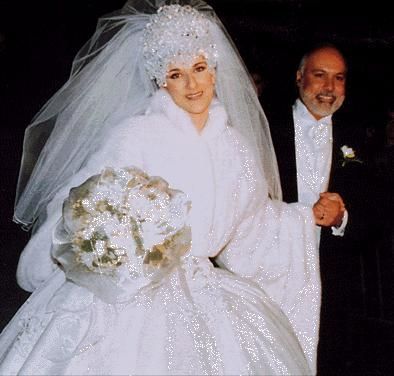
192	87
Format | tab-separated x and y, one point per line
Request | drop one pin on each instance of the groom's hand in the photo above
329	209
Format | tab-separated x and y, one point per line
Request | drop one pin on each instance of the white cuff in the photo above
340	231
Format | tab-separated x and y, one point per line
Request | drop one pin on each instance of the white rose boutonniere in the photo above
348	155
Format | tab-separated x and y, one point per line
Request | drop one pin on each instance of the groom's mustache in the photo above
326	97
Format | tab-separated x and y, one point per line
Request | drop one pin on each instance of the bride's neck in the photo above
199	120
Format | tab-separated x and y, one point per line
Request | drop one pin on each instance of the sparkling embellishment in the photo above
176	34
120	226
313	141
199	319
124	210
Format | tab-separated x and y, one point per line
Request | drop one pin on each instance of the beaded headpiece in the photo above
176	34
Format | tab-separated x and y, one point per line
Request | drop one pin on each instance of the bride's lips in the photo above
193	96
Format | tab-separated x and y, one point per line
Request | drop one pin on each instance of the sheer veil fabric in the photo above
108	82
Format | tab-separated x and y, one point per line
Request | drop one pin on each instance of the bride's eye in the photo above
174	76
200	68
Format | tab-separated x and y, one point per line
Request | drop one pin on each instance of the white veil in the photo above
108	81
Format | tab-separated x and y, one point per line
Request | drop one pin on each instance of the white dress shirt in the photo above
313	144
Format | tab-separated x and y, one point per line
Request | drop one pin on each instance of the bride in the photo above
165	93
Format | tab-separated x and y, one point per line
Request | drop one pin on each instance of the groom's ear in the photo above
298	78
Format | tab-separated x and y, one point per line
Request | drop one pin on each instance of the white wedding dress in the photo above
255	314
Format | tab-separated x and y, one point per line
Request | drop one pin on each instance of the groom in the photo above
315	154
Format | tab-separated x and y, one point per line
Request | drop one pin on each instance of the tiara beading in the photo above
176	34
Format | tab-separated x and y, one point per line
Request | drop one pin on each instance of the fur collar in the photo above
162	103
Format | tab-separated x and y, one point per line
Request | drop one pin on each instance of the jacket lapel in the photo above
335	156
282	131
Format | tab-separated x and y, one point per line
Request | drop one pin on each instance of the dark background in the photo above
38	40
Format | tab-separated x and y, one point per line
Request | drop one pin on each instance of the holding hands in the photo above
329	209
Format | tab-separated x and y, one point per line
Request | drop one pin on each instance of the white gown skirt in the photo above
199	320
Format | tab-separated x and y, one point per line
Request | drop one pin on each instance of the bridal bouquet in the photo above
121	227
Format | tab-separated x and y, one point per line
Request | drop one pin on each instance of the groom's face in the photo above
321	82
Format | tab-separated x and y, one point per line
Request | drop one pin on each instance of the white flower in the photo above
119	226
123	213
86	258
348	152
100	248
348	155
